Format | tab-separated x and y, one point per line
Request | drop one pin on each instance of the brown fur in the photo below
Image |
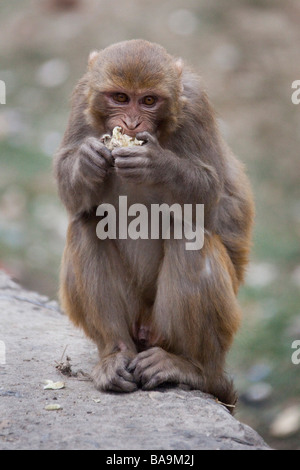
157	312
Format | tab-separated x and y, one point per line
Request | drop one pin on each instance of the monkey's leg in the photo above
98	296
196	315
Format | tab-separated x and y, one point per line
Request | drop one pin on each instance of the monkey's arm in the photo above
235	215
179	179
82	173
82	163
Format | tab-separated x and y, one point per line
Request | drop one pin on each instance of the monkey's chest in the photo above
139	243
142	260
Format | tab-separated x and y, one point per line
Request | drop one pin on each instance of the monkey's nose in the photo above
131	125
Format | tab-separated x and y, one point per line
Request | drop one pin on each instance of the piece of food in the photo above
50	385
118	139
53	407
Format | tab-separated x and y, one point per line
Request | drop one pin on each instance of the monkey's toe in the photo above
120	381
111	374
119	384
152	368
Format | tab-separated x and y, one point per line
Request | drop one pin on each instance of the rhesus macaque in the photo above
157	312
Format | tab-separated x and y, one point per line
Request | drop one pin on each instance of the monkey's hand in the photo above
112	374
156	366
94	160
142	164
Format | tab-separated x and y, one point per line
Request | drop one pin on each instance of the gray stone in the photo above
38	338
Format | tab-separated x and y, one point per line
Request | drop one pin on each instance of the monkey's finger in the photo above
139	358
118	388
114	388
94	169
132	365
126	375
93	146
147	137
153	375
96	144
124	387
147	353
119	384
156	380
128	152
103	152
94	156
143	367
131	162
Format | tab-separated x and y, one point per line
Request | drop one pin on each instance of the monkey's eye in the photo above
149	100
120	98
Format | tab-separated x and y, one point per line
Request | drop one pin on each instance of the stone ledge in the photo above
37	337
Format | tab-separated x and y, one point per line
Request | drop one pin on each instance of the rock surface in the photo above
35	338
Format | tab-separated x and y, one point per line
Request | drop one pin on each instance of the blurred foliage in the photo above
248	55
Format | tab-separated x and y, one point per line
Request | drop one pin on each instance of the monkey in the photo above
158	313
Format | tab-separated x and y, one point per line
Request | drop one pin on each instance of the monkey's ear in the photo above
92	58
179	66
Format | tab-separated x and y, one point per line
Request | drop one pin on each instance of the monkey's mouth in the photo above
119	139
129	132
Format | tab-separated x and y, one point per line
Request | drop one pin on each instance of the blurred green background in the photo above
248	53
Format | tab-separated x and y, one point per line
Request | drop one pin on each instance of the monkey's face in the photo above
133	112
134	85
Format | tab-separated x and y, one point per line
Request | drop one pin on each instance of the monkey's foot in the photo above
155	366
112	374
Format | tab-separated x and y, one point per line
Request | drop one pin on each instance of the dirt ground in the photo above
36	339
